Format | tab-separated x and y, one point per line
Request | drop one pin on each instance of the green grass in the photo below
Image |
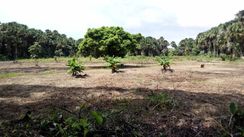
200	58
139	59
9	75
132	59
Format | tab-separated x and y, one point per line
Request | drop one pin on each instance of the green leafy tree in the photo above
174	50
107	41
154	47
173	44
186	46
35	51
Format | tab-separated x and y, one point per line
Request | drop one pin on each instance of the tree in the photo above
35	51
185	46
173	44
240	16
153	47
226	38
107	41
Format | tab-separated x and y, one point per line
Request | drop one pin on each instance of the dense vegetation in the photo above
15	40
114	41
225	39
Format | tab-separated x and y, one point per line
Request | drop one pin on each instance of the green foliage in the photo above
35	50
233	108
107	41
187	47
161	100
164	61
74	67
9	75
235	127
3	58
98	117
153	47
236	122
223	56
58	125
112	63
114	41
15	40
225	38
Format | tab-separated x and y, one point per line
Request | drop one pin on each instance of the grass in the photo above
132	59
9	75
200	58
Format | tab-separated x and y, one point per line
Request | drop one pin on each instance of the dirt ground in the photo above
203	94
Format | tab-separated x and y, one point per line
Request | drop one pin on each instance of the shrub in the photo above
35	51
236	123
74	67
164	61
58	125
223	57
3	58
112	63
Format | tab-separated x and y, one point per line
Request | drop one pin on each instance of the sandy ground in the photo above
202	93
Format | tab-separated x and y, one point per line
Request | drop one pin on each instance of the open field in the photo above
201	95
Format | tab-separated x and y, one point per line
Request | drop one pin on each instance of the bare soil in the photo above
202	94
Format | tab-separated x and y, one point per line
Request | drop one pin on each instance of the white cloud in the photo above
173	19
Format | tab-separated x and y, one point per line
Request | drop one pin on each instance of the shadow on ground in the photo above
42	69
194	114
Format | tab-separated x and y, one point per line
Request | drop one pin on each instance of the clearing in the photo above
202	95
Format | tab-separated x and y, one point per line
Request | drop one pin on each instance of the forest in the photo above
112	83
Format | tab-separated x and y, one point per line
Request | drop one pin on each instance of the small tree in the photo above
112	63
58	53
164	61
74	67
35	51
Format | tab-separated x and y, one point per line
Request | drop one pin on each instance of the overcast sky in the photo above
172	19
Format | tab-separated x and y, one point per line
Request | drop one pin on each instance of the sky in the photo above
172	19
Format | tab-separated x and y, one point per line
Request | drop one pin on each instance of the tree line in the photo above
227	39
17	40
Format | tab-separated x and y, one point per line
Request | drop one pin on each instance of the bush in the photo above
223	57
3	58
72	126
112	63
74	67
236	123
35	51
165	62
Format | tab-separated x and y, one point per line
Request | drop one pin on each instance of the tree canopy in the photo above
107	41
226	38
15	40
